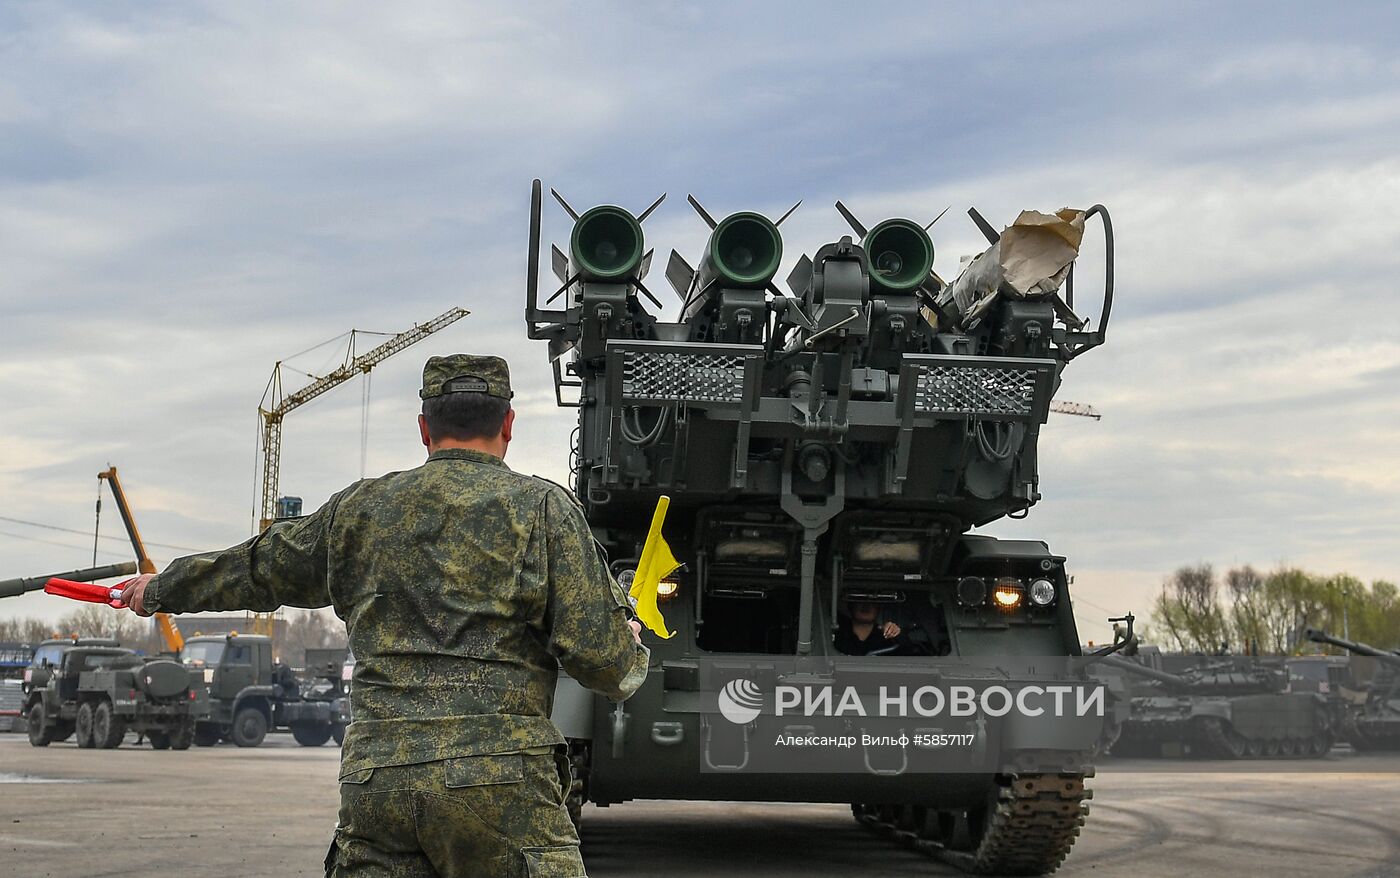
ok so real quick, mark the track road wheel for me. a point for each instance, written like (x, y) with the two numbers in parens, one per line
(249, 727)
(40, 735)
(311, 734)
(84, 729)
(108, 729)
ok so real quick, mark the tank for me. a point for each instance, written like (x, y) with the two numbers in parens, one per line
(1374, 724)
(1236, 708)
(825, 452)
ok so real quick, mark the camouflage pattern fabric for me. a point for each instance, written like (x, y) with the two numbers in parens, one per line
(463, 586)
(460, 582)
(496, 816)
(466, 373)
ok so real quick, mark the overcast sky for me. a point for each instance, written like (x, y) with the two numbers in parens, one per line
(191, 191)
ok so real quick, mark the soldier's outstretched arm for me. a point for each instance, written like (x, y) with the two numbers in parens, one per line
(285, 565)
(587, 612)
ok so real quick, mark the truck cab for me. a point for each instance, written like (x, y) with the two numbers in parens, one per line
(48, 655)
(249, 694)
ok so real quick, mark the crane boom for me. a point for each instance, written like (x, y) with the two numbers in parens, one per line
(1084, 410)
(168, 632)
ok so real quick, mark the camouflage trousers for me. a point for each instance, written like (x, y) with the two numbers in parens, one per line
(500, 816)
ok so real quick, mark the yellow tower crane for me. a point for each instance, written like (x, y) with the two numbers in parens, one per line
(276, 405)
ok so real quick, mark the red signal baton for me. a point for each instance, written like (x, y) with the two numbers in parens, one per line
(87, 591)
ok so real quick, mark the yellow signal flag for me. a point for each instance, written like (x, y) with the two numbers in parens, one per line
(656, 564)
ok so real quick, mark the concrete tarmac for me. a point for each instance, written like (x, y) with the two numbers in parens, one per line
(269, 811)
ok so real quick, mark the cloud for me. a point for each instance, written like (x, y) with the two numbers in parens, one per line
(190, 192)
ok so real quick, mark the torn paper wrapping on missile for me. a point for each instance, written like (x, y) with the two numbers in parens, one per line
(1030, 261)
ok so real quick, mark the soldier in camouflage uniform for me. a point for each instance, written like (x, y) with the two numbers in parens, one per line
(463, 586)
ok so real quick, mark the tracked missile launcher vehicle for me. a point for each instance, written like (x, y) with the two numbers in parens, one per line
(826, 453)
(1224, 709)
(1374, 724)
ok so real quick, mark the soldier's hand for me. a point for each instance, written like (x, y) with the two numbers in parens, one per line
(891, 631)
(636, 629)
(134, 594)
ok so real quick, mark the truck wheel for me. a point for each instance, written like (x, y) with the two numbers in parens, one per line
(108, 729)
(311, 734)
(249, 727)
(39, 733)
(338, 732)
(183, 736)
(85, 725)
(159, 740)
(206, 734)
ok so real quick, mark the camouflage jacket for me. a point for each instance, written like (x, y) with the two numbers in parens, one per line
(460, 583)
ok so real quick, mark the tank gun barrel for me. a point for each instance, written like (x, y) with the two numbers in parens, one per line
(1317, 635)
(1143, 671)
(14, 587)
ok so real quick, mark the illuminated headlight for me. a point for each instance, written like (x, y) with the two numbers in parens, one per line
(972, 591)
(1008, 594)
(667, 589)
(1042, 592)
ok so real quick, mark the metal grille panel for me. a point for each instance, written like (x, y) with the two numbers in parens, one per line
(682, 377)
(976, 390)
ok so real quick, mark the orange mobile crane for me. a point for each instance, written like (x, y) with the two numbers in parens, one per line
(168, 632)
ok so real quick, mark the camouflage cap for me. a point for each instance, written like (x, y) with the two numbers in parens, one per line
(466, 373)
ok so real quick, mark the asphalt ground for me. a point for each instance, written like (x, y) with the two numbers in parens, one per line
(269, 812)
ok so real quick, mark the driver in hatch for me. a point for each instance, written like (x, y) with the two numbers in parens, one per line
(862, 631)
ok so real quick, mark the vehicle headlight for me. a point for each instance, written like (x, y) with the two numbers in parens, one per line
(1042, 592)
(972, 591)
(667, 589)
(1008, 594)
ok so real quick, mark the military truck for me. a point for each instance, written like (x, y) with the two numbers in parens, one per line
(100, 692)
(1373, 723)
(249, 694)
(824, 452)
(15, 657)
(1223, 708)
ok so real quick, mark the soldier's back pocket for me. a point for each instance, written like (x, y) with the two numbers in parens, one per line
(554, 862)
(475, 771)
